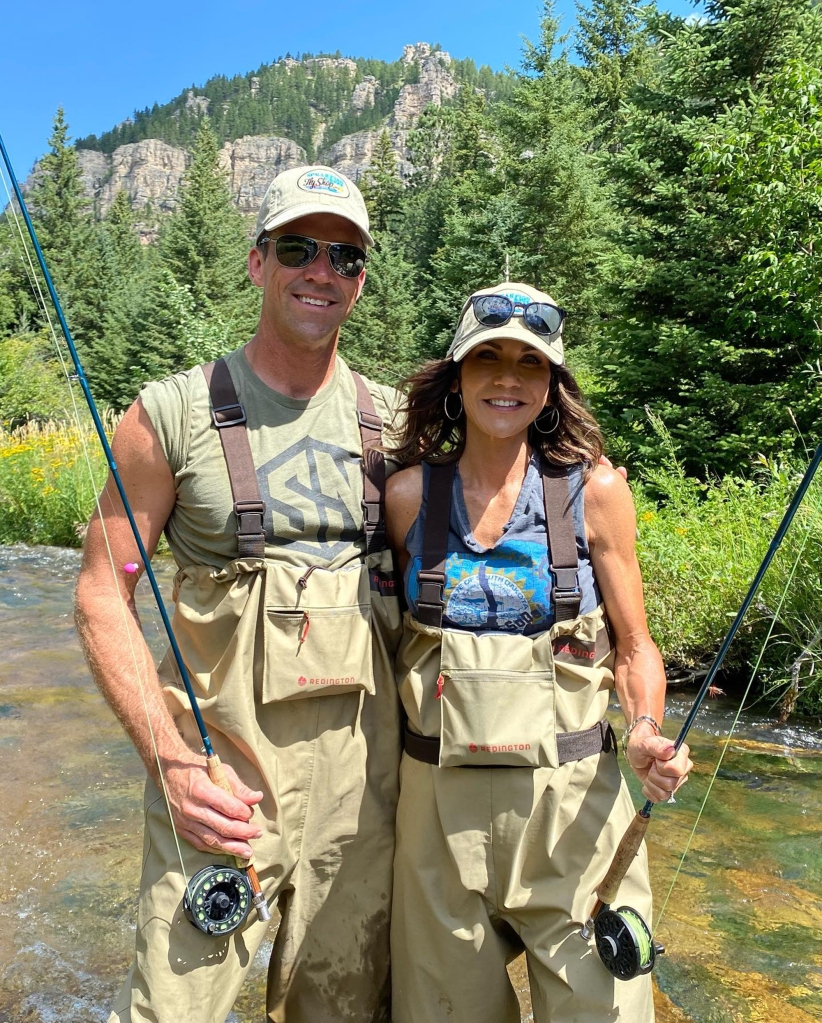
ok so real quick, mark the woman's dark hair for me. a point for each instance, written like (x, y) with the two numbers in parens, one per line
(428, 435)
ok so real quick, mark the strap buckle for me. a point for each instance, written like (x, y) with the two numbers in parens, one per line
(371, 514)
(249, 517)
(566, 583)
(369, 421)
(431, 587)
(221, 418)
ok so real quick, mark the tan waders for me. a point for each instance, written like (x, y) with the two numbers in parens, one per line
(511, 804)
(295, 670)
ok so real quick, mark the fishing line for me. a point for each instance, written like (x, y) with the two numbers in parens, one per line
(734, 723)
(81, 432)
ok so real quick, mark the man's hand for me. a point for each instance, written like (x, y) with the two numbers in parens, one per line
(205, 815)
(623, 472)
(658, 767)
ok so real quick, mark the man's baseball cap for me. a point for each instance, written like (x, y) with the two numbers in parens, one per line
(470, 332)
(312, 189)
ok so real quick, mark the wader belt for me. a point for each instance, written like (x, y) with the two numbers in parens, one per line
(570, 745)
(562, 544)
(227, 412)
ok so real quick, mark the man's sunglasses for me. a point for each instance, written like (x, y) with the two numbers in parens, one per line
(295, 251)
(496, 310)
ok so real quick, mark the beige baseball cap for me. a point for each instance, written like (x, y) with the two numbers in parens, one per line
(470, 332)
(312, 189)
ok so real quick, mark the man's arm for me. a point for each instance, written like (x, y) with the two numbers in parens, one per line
(119, 658)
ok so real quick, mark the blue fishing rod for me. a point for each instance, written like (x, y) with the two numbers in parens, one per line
(623, 938)
(218, 898)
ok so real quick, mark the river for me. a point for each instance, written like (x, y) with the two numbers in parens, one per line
(742, 927)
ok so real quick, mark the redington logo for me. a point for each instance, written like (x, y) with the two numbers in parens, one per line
(504, 747)
(581, 650)
(340, 680)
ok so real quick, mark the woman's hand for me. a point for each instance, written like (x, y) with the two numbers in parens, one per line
(660, 769)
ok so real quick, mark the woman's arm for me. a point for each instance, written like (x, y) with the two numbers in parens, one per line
(403, 497)
(639, 675)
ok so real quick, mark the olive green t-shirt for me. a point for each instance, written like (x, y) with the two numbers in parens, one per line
(307, 454)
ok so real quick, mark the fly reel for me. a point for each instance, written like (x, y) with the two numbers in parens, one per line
(218, 900)
(625, 943)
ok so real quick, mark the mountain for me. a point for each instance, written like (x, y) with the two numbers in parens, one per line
(329, 109)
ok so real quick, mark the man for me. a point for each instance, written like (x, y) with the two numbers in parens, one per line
(275, 634)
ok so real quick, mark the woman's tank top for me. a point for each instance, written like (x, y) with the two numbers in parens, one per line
(507, 587)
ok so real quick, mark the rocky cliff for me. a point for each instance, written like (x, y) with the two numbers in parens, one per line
(150, 172)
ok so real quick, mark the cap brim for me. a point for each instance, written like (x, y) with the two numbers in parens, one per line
(306, 209)
(550, 346)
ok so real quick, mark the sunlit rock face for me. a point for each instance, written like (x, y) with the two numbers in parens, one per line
(151, 172)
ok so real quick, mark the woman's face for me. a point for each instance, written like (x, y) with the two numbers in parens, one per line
(504, 386)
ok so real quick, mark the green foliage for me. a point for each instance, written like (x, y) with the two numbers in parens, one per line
(707, 326)
(700, 546)
(47, 492)
(203, 243)
(381, 187)
(32, 385)
(381, 337)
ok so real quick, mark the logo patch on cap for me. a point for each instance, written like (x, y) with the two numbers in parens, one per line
(517, 297)
(323, 181)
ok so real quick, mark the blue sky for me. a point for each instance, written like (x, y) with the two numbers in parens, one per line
(101, 61)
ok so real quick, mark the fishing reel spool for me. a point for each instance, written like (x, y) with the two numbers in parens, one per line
(624, 943)
(218, 900)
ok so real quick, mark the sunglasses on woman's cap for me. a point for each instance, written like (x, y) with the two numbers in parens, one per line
(542, 318)
(524, 314)
(296, 251)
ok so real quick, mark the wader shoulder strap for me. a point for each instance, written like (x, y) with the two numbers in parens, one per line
(373, 468)
(226, 414)
(562, 542)
(431, 576)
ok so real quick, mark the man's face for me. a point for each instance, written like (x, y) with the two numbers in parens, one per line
(306, 305)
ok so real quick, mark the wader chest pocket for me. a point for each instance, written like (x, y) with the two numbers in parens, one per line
(318, 642)
(497, 719)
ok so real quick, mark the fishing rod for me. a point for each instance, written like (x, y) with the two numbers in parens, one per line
(624, 940)
(218, 898)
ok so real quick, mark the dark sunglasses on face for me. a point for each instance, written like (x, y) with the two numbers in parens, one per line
(295, 251)
(496, 310)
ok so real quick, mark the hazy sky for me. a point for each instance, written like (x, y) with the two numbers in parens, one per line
(102, 61)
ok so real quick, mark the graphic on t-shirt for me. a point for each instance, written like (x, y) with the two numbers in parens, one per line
(311, 494)
(506, 589)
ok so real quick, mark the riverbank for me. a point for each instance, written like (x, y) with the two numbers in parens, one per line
(699, 547)
(741, 927)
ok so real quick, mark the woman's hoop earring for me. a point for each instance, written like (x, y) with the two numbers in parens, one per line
(448, 415)
(549, 412)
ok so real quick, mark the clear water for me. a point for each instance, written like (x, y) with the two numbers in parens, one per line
(742, 927)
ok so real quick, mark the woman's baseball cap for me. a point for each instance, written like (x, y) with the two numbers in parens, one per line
(471, 332)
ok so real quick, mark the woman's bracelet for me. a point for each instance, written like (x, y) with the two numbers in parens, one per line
(642, 717)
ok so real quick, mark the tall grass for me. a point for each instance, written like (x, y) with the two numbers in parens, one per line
(700, 545)
(47, 485)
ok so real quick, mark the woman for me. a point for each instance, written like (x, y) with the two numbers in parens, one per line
(507, 661)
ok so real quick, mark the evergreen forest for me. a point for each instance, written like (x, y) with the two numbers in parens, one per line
(660, 177)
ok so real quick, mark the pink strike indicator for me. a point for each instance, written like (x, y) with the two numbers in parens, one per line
(131, 567)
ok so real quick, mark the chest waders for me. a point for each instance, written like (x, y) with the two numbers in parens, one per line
(218, 898)
(511, 798)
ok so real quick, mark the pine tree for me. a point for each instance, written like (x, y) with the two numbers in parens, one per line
(615, 52)
(694, 338)
(71, 242)
(123, 246)
(203, 243)
(381, 186)
(381, 338)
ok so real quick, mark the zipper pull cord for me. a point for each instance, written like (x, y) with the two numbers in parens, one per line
(440, 684)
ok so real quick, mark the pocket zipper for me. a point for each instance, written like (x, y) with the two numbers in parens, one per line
(304, 630)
